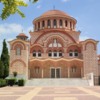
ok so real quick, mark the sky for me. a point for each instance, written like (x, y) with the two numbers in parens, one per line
(86, 12)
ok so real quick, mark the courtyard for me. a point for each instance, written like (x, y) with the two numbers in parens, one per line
(50, 93)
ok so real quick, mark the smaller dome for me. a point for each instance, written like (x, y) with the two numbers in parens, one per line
(22, 35)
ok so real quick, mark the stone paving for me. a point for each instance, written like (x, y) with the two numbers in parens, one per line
(50, 93)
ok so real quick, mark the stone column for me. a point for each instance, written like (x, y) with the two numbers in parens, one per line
(51, 23)
(45, 23)
(57, 23)
(42, 73)
(68, 24)
(63, 23)
(68, 72)
(40, 24)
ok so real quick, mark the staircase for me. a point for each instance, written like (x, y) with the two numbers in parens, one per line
(57, 82)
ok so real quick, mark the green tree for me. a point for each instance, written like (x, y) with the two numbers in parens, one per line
(1, 69)
(5, 59)
(11, 7)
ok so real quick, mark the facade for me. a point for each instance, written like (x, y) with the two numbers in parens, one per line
(54, 50)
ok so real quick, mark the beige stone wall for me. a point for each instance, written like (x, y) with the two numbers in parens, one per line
(99, 69)
(90, 59)
(19, 63)
(18, 67)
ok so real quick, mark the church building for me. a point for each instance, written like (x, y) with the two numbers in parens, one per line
(54, 50)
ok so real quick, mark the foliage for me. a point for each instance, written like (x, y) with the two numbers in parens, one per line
(21, 82)
(3, 82)
(12, 6)
(1, 69)
(5, 59)
(11, 81)
(15, 74)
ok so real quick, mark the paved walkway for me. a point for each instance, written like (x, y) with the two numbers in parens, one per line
(50, 93)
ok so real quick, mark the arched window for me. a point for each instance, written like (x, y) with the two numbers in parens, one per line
(38, 25)
(66, 23)
(43, 24)
(76, 53)
(39, 53)
(70, 53)
(60, 22)
(34, 53)
(55, 23)
(55, 53)
(60, 53)
(71, 25)
(50, 53)
(18, 51)
(49, 23)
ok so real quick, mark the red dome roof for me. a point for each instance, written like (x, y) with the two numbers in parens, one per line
(22, 35)
(54, 12)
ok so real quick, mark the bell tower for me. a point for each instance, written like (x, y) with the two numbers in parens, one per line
(19, 55)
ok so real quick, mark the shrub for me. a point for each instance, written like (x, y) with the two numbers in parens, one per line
(3, 82)
(21, 82)
(11, 82)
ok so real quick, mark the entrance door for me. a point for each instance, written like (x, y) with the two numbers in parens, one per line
(55, 72)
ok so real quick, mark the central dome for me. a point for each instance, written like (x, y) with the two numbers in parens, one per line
(54, 19)
(54, 12)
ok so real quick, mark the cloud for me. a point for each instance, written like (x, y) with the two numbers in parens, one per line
(38, 7)
(65, 0)
(10, 31)
(10, 28)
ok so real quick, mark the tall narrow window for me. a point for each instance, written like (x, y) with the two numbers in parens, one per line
(38, 25)
(55, 23)
(55, 53)
(70, 53)
(60, 53)
(39, 53)
(75, 53)
(49, 23)
(60, 22)
(43, 24)
(66, 23)
(18, 51)
(50, 53)
(34, 53)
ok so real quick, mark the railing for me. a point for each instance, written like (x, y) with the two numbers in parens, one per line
(90, 78)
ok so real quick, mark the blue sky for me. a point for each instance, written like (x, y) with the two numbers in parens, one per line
(86, 12)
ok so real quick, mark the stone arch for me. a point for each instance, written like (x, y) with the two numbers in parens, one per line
(36, 48)
(90, 44)
(73, 48)
(18, 44)
(63, 32)
(59, 39)
(18, 66)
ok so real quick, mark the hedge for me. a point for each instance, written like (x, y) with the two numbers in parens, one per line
(21, 82)
(3, 82)
(11, 82)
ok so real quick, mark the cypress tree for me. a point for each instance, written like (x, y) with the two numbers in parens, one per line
(1, 69)
(5, 59)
